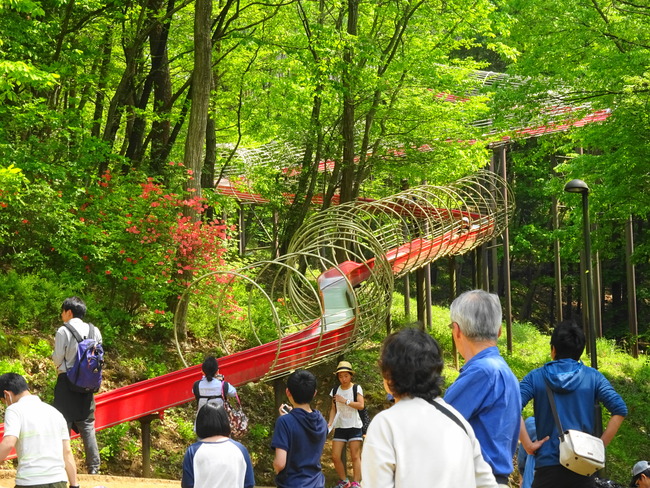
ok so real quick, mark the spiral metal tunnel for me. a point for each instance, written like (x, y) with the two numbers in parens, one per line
(334, 287)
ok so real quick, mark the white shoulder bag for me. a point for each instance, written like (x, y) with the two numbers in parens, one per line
(580, 452)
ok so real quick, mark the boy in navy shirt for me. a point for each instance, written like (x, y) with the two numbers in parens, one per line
(299, 436)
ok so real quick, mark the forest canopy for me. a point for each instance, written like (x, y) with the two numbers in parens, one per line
(118, 119)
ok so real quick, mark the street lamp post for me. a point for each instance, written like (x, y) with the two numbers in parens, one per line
(579, 186)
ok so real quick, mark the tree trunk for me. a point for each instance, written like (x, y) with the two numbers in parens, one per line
(347, 129)
(162, 91)
(201, 83)
(200, 92)
(107, 39)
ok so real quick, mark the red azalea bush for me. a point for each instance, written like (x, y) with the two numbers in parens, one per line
(123, 242)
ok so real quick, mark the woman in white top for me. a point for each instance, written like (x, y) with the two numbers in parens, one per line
(344, 418)
(421, 440)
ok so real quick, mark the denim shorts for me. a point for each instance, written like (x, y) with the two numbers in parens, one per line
(346, 435)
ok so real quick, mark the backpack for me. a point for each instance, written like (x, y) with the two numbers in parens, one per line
(85, 375)
(363, 413)
(237, 417)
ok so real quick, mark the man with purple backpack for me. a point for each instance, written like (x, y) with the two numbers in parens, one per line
(77, 403)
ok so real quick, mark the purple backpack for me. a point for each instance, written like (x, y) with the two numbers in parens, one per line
(85, 375)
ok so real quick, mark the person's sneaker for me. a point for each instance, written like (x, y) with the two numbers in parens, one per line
(355, 484)
(342, 484)
(93, 471)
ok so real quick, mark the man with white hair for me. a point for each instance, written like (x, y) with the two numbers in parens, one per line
(486, 392)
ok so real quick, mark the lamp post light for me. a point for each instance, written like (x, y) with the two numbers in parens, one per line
(579, 186)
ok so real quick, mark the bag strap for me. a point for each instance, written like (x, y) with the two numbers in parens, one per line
(354, 392)
(448, 413)
(73, 331)
(225, 386)
(76, 335)
(551, 400)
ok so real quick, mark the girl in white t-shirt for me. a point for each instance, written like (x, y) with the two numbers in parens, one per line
(344, 418)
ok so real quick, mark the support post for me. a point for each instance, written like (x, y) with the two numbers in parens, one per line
(494, 259)
(631, 288)
(407, 297)
(598, 296)
(420, 298)
(452, 295)
(427, 296)
(476, 269)
(279, 394)
(276, 234)
(242, 230)
(145, 429)
(584, 301)
(506, 253)
(485, 268)
(557, 264)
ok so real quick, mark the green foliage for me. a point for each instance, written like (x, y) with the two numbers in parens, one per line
(258, 432)
(11, 366)
(15, 75)
(184, 426)
(30, 299)
(115, 442)
(123, 243)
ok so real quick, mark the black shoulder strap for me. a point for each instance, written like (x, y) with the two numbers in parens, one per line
(91, 331)
(354, 392)
(448, 413)
(224, 390)
(551, 400)
(197, 392)
(73, 331)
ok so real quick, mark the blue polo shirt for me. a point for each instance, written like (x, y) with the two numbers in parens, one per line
(487, 394)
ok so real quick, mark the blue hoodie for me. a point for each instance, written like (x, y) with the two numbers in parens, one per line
(302, 434)
(577, 388)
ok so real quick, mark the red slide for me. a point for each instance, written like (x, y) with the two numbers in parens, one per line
(281, 356)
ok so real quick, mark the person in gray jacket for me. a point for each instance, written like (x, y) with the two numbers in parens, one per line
(78, 408)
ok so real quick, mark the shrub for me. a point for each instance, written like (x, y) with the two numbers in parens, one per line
(123, 243)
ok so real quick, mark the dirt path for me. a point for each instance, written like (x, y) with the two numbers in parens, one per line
(90, 481)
